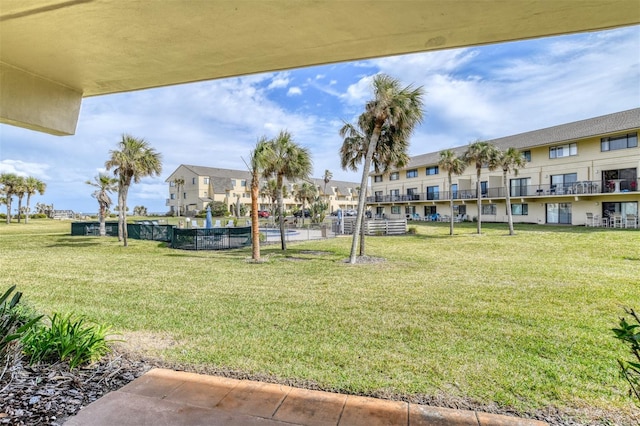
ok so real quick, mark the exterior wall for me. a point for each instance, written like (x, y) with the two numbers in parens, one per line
(197, 191)
(586, 196)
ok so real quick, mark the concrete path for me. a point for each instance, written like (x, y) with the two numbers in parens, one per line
(169, 398)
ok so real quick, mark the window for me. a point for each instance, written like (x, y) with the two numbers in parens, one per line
(395, 194)
(561, 183)
(394, 176)
(519, 187)
(243, 183)
(527, 156)
(565, 150)
(193, 181)
(377, 178)
(483, 188)
(454, 190)
(172, 184)
(520, 209)
(619, 142)
(379, 211)
(378, 195)
(410, 210)
(432, 170)
(184, 195)
(233, 183)
(559, 213)
(412, 173)
(429, 210)
(173, 196)
(206, 181)
(488, 210)
(433, 193)
(395, 209)
(412, 194)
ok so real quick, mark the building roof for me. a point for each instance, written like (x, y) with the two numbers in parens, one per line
(592, 127)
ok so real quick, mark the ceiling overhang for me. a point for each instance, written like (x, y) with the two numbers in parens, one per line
(55, 52)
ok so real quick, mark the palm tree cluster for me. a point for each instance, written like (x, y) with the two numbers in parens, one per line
(133, 160)
(482, 154)
(381, 136)
(275, 159)
(19, 186)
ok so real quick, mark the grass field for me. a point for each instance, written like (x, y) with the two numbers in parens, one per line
(522, 322)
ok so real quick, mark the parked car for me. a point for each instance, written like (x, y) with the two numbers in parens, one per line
(351, 212)
(263, 213)
(307, 213)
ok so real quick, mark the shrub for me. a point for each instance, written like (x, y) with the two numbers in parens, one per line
(15, 321)
(67, 339)
(413, 230)
(629, 334)
(39, 216)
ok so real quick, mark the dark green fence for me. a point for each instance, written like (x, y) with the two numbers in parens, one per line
(93, 228)
(211, 238)
(137, 231)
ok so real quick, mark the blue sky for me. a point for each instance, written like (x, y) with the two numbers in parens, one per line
(472, 93)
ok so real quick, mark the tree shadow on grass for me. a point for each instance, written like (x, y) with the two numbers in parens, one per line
(74, 242)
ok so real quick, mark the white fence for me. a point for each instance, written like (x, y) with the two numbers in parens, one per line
(377, 226)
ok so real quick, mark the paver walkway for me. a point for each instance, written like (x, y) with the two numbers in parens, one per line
(165, 397)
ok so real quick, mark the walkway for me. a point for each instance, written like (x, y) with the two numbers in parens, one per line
(167, 398)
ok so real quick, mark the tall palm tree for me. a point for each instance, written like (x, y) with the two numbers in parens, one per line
(105, 185)
(510, 160)
(32, 186)
(305, 192)
(179, 183)
(20, 189)
(270, 192)
(452, 164)
(383, 131)
(286, 160)
(9, 182)
(326, 178)
(480, 154)
(133, 160)
(257, 164)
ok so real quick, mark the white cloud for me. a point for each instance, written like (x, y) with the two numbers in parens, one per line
(294, 91)
(279, 81)
(24, 169)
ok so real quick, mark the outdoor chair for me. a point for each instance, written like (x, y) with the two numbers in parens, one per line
(217, 224)
(589, 220)
(229, 223)
(631, 221)
(194, 223)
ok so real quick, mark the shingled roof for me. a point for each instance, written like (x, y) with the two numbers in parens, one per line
(591, 127)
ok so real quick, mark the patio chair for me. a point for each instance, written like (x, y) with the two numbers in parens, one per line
(194, 223)
(217, 224)
(229, 223)
(589, 220)
(631, 221)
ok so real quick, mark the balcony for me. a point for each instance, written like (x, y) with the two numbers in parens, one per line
(617, 186)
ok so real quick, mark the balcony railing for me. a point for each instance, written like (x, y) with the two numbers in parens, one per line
(573, 188)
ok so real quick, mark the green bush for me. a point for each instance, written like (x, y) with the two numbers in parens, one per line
(629, 334)
(412, 230)
(15, 320)
(67, 339)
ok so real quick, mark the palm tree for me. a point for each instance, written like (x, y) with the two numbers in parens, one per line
(9, 182)
(270, 192)
(452, 164)
(105, 185)
(32, 186)
(480, 153)
(20, 189)
(133, 160)
(257, 164)
(305, 192)
(509, 160)
(326, 178)
(286, 160)
(179, 183)
(383, 131)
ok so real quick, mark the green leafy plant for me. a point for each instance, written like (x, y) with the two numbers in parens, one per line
(630, 334)
(68, 338)
(14, 321)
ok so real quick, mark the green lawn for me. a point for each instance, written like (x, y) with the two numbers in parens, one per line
(522, 321)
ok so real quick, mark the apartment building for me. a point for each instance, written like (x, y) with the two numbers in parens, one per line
(205, 184)
(573, 171)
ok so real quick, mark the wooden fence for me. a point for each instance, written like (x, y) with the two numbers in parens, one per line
(378, 226)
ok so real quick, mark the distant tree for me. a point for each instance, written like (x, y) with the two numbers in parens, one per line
(218, 208)
(326, 178)
(480, 154)
(20, 190)
(510, 160)
(305, 193)
(382, 133)
(32, 186)
(179, 183)
(286, 160)
(257, 163)
(452, 164)
(133, 160)
(9, 181)
(140, 211)
(318, 210)
(105, 184)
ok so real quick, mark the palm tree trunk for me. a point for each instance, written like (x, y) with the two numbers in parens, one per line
(103, 228)
(362, 245)
(9, 197)
(26, 217)
(450, 206)
(19, 208)
(479, 196)
(280, 197)
(120, 217)
(125, 232)
(255, 224)
(508, 197)
(363, 191)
